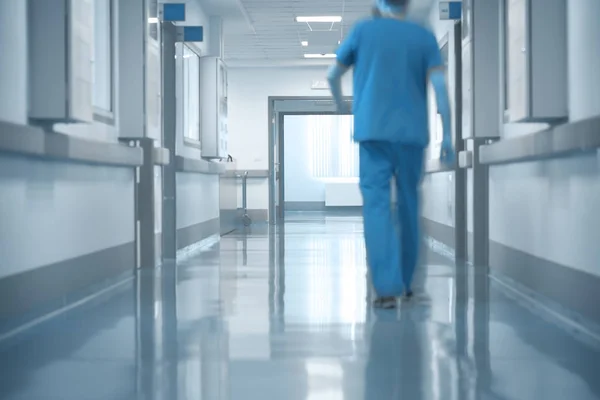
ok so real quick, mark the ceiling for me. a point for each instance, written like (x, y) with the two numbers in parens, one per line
(264, 32)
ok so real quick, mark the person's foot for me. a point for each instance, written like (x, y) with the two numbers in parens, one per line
(385, 302)
(408, 294)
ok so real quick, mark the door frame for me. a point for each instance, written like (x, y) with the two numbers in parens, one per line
(298, 105)
(169, 137)
(460, 175)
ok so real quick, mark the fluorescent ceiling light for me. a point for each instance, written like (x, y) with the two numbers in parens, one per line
(319, 19)
(153, 20)
(319, 55)
(304, 43)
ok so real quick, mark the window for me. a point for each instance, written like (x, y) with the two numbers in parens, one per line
(102, 66)
(191, 94)
(333, 153)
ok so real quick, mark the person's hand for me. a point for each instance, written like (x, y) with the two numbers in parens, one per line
(447, 155)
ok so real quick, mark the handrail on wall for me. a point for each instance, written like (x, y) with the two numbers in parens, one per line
(32, 141)
(436, 166)
(198, 166)
(559, 141)
(251, 173)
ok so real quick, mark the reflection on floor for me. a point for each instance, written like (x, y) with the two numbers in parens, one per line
(282, 315)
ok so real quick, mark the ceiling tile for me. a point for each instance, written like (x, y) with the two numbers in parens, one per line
(277, 36)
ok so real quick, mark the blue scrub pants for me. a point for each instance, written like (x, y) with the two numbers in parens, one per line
(392, 239)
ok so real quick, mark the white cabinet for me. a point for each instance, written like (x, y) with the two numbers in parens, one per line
(480, 69)
(536, 61)
(61, 40)
(213, 103)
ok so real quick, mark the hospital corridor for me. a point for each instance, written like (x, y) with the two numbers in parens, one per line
(183, 204)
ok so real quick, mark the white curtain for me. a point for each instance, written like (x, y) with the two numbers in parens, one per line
(333, 153)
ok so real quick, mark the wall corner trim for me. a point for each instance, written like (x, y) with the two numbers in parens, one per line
(184, 164)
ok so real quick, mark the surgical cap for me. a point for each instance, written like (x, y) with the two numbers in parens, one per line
(391, 6)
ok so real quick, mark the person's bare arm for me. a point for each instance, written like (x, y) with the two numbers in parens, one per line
(334, 76)
(345, 59)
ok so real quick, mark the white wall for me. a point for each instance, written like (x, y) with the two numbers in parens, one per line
(197, 199)
(553, 203)
(549, 209)
(546, 208)
(52, 212)
(249, 90)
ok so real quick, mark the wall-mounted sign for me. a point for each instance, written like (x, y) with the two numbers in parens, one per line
(450, 10)
(190, 34)
(173, 12)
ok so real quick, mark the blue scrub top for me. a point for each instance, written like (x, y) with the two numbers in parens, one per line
(391, 60)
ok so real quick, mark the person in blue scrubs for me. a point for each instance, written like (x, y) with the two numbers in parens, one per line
(393, 61)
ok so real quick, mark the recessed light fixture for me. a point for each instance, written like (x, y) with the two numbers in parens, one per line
(153, 20)
(319, 19)
(304, 43)
(319, 55)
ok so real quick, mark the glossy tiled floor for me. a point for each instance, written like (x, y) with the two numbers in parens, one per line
(284, 317)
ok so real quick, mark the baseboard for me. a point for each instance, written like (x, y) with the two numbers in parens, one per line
(440, 232)
(344, 210)
(31, 295)
(257, 215)
(564, 295)
(570, 292)
(305, 206)
(195, 233)
(229, 221)
(320, 206)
